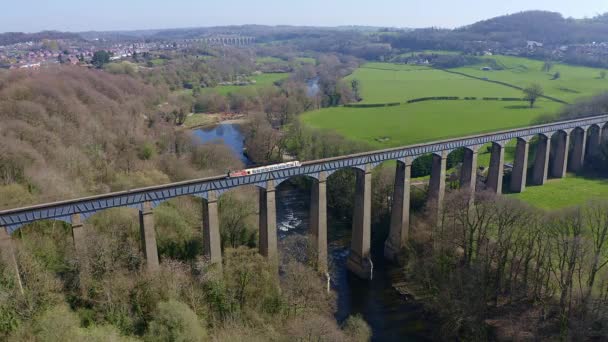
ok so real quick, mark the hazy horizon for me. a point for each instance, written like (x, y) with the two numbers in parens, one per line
(115, 15)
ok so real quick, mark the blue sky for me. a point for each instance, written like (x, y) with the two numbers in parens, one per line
(84, 15)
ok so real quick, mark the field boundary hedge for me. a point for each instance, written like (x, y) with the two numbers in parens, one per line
(371, 105)
(434, 98)
(454, 98)
(501, 83)
(406, 70)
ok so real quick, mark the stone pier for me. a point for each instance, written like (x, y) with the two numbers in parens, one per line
(468, 171)
(437, 183)
(560, 159)
(594, 140)
(78, 234)
(211, 229)
(318, 220)
(268, 223)
(7, 253)
(579, 137)
(148, 237)
(520, 166)
(358, 260)
(400, 211)
(496, 171)
(541, 160)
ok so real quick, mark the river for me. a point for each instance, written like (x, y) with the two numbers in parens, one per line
(390, 316)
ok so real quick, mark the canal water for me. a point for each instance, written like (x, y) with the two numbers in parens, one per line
(390, 316)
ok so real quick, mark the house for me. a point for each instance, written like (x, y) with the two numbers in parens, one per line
(533, 45)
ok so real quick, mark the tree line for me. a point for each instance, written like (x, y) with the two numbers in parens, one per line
(546, 270)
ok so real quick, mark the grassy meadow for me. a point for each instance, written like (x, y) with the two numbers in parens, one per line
(566, 192)
(383, 82)
(262, 80)
(384, 127)
(432, 120)
(574, 81)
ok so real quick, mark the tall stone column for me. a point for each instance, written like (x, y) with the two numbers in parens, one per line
(268, 223)
(595, 140)
(7, 253)
(211, 229)
(318, 220)
(578, 152)
(78, 233)
(468, 171)
(560, 159)
(400, 211)
(520, 166)
(148, 236)
(437, 183)
(541, 160)
(358, 260)
(497, 164)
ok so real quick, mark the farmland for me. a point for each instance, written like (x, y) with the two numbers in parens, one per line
(406, 124)
(561, 193)
(573, 82)
(382, 83)
(438, 119)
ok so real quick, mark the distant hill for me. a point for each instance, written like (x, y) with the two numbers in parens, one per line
(506, 32)
(543, 26)
(9, 38)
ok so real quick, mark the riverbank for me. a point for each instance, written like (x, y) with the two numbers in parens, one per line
(196, 121)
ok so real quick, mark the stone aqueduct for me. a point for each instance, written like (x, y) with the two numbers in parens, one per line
(585, 135)
(231, 40)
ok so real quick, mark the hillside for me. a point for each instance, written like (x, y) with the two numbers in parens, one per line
(508, 31)
(9, 38)
(547, 27)
(70, 131)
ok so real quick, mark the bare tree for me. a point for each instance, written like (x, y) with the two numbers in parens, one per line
(567, 246)
(533, 92)
(596, 219)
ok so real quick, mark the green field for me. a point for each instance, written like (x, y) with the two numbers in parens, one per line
(158, 61)
(432, 120)
(424, 121)
(574, 81)
(407, 124)
(561, 193)
(268, 60)
(306, 60)
(262, 80)
(383, 82)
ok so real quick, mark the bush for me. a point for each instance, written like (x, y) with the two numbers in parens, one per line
(104, 333)
(175, 321)
(357, 329)
(61, 324)
(174, 222)
(314, 327)
(146, 151)
(57, 324)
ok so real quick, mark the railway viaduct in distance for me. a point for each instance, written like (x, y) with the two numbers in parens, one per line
(572, 141)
